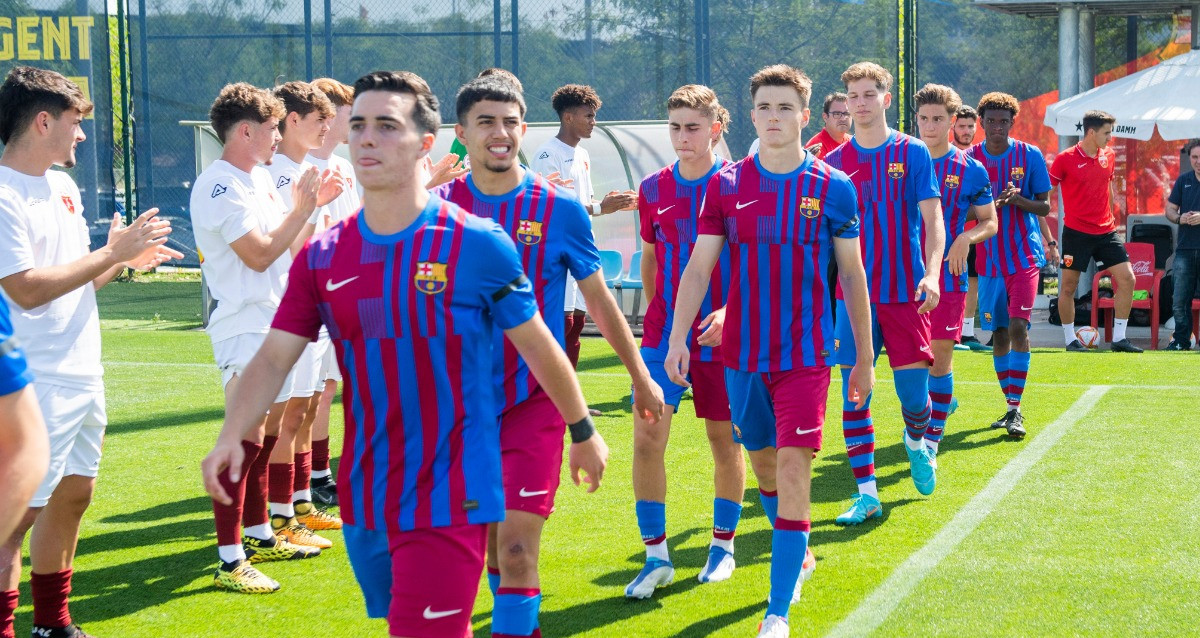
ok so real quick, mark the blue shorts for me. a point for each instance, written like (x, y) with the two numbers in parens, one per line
(371, 561)
(709, 397)
(845, 353)
(14, 371)
(778, 409)
(993, 303)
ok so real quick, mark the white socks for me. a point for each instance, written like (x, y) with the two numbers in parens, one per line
(1119, 329)
(320, 473)
(282, 509)
(968, 329)
(261, 532)
(1069, 333)
(659, 551)
(726, 545)
(302, 495)
(871, 488)
(231, 553)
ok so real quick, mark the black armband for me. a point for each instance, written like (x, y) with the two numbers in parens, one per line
(583, 430)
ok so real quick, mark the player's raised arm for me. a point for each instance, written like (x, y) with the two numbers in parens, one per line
(693, 285)
(854, 289)
(550, 366)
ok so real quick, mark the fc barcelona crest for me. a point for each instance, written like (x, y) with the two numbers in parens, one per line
(1017, 173)
(69, 203)
(895, 170)
(987, 318)
(529, 232)
(952, 181)
(810, 207)
(431, 277)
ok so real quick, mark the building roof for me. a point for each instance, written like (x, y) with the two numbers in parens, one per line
(1043, 8)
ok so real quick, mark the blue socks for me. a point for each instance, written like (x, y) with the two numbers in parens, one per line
(789, 542)
(770, 504)
(515, 612)
(726, 514)
(912, 388)
(493, 575)
(859, 433)
(1018, 370)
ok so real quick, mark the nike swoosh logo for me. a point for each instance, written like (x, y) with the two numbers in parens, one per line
(330, 286)
(430, 614)
(951, 328)
(803, 432)
(854, 173)
(740, 205)
(526, 493)
(1024, 309)
(663, 210)
(1082, 165)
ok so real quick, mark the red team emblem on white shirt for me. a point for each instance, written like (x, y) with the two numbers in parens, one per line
(69, 203)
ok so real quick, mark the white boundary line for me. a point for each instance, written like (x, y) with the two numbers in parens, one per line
(879, 605)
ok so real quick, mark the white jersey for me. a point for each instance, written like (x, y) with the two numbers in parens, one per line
(349, 201)
(570, 162)
(42, 225)
(226, 204)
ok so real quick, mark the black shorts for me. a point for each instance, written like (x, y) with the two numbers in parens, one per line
(971, 271)
(1078, 248)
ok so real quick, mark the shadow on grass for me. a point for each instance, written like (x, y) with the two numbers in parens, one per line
(167, 420)
(717, 625)
(599, 362)
(165, 510)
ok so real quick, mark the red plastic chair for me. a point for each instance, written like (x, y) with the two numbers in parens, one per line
(1146, 277)
(1196, 320)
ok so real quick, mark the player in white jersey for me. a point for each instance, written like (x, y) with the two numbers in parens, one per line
(323, 487)
(245, 234)
(302, 129)
(49, 278)
(576, 106)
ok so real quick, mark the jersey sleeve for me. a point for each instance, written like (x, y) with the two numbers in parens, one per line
(16, 251)
(1176, 196)
(712, 215)
(841, 208)
(582, 256)
(979, 184)
(922, 173)
(546, 163)
(503, 287)
(1039, 177)
(221, 208)
(645, 216)
(298, 313)
(1058, 169)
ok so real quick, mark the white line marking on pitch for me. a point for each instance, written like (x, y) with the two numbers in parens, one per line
(875, 608)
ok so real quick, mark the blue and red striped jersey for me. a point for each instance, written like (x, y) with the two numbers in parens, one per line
(780, 230)
(669, 211)
(964, 184)
(890, 179)
(1017, 244)
(411, 317)
(553, 236)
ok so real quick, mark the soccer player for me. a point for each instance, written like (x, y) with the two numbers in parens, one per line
(1084, 173)
(576, 106)
(669, 209)
(554, 237)
(306, 121)
(963, 137)
(246, 234)
(456, 147)
(898, 197)
(966, 193)
(49, 279)
(323, 488)
(781, 212)
(1013, 258)
(410, 289)
(24, 448)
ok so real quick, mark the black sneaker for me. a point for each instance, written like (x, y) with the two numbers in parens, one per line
(1077, 346)
(324, 492)
(1124, 346)
(1016, 425)
(70, 631)
(1176, 346)
(1002, 422)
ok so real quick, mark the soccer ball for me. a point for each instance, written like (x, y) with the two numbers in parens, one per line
(1088, 336)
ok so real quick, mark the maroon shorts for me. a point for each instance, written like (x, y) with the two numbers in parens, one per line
(945, 321)
(710, 397)
(780, 409)
(531, 452)
(435, 579)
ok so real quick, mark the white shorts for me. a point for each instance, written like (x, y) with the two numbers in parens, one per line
(307, 373)
(75, 420)
(233, 354)
(329, 364)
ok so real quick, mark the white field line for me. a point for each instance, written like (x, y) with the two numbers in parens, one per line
(876, 607)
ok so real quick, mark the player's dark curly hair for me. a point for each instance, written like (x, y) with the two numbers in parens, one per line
(997, 101)
(966, 113)
(493, 88)
(243, 102)
(573, 95)
(425, 110)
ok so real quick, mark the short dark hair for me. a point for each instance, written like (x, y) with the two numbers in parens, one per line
(966, 113)
(28, 91)
(782, 75)
(302, 98)
(938, 95)
(997, 101)
(836, 96)
(503, 74)
(1191, 146)
(242, 102)
(573, 95)
(425, 109)
(1093, 120)
(493, 88)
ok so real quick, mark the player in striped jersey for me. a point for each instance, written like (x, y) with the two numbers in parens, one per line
(1013, 258)
(669, 208)
(554, 236)
(783, 214)
(966, 194)
(898, 197)
(410, 289)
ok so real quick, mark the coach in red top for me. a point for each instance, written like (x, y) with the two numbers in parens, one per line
(1084, 175)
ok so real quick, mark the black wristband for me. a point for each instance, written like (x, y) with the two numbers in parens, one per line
(583, 430)
(1053, 243)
